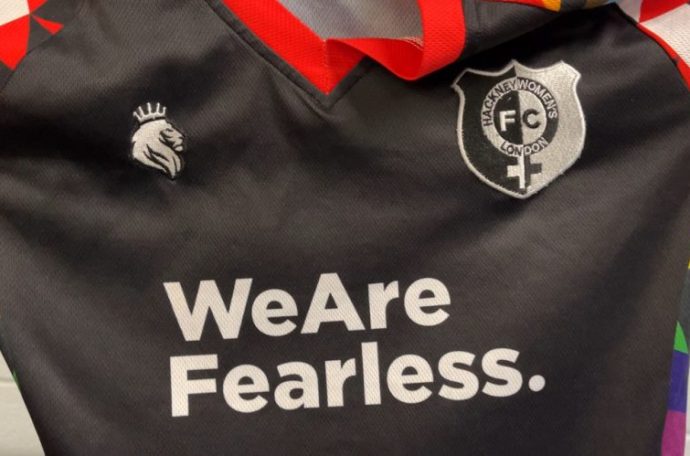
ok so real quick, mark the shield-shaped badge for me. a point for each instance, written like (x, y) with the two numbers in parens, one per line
(520, 128)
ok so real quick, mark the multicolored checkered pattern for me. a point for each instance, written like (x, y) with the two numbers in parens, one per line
(25, 25)
(667, 21)
(19, 19)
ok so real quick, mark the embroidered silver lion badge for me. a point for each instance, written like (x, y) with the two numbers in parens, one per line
(156, 143)
(520, 128)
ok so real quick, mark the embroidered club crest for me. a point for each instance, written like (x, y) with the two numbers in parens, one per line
(520, 128)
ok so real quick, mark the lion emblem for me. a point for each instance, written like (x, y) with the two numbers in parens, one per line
(156, 142)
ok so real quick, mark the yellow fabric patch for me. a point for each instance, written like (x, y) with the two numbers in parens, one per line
(554, 5)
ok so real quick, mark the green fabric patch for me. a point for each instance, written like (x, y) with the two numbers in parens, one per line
(680, 343)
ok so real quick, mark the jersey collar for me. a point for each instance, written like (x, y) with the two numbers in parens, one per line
(326, 62)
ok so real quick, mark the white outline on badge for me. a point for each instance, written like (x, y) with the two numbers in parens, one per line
(517, 65)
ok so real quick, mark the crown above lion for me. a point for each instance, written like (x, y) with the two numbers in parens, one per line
(149, 112)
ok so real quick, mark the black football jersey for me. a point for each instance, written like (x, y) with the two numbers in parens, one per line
(403, 227)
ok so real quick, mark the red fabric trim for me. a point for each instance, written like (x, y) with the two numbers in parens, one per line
(537, 3)
(326, 62)
(35, 4)
(684, 71)
(14, 41)
(653, 8)
(682, 66)
(52, 27)
(669, 50)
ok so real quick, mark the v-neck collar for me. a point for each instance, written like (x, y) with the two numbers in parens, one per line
(324, 65)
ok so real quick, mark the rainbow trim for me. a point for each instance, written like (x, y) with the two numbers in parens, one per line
(675, 427)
